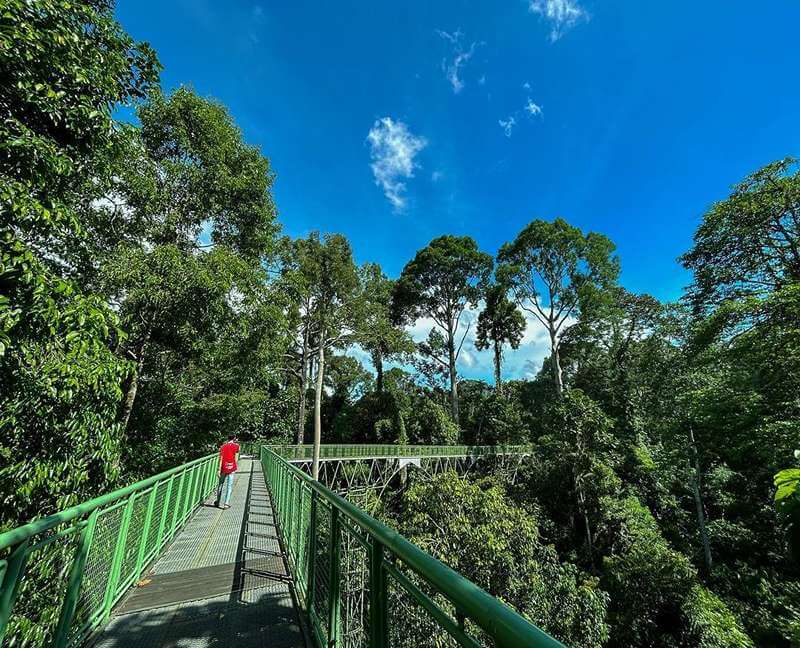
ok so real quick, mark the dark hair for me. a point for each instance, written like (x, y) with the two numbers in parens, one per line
(231, 436)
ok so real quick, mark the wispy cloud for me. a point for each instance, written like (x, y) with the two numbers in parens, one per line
(532, 109)
(562, 15)
(460, 57)
(393, 149)
(507, 125)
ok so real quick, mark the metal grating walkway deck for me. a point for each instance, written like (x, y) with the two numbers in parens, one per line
(222, 582)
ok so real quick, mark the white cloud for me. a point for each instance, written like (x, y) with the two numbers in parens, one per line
(392, 150)
(482, 80)
(436, 176)
(526, 85)
(562, 15)
(461, 57)
(532, 108)
(507, 125)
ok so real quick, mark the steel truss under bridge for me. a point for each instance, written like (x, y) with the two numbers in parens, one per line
(336, 553)
(361, 472)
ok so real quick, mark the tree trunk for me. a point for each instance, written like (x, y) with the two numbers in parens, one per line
(133, 383)
(698, 503)
(301, 410)
(498, 359)
(377, 360)
(451, 352)
(318, 408)
(555, 361)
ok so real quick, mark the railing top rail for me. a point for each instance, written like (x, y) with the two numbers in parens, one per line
(504, 624)
(343, 450)
(22, 533)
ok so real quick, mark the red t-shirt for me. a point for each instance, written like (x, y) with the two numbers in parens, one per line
(227, 454)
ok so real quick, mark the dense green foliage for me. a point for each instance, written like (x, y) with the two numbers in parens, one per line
(149, 306)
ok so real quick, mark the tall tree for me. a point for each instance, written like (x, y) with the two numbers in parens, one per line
(748, 246)
(333, 308)
(499, 323)
(189, 184)
(379, 335)
(441, 282)
(554, 270)
(66, 66)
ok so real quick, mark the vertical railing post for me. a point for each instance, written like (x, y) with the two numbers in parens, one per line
(378, 618)
(61, 638)
(148, 518)
(119, 554)
(334, 599)
(164, 514)
(15, 568)
(312, 553)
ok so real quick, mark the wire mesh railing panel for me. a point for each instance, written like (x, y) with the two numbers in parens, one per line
(320, 545)
(61, 575)
(135, 533)
(362, 584)
(151, 545)
(354, 588)
(34, 621)
(97, 570)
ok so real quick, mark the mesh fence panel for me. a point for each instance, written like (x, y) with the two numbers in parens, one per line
(35, 617)
(173, 501)
(354, 588)
(133, 540)
(321, 548)
(155, 519)
(98, 564)
(410, 625)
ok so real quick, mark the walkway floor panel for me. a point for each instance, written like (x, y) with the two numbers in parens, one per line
(210, 588)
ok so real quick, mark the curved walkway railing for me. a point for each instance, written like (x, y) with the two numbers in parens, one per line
(60, 576)
(363, 584)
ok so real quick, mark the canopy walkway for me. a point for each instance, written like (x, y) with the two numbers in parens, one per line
(291, 563)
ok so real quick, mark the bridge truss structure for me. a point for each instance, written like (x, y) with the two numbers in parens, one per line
(354, 471)
(341, 599)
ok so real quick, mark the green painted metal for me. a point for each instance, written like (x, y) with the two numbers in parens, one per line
(352, 451)
(390, 560)
(15, 566)
(61, 639)
(334, 585)
(378, 618)
(112, 536)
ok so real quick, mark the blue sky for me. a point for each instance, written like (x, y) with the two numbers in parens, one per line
(395, 122)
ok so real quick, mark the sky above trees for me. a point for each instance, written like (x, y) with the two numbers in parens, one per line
(394, 123)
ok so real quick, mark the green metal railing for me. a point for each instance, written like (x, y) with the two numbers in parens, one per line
(60, 576)
(363, 584)
(347, 451)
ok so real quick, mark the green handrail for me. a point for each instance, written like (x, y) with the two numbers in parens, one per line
(100, 548)
(346, 451)
(322, 532)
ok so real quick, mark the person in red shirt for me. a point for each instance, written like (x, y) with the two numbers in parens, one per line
(228, 458)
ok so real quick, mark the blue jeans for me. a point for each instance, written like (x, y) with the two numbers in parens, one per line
(226, 486)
